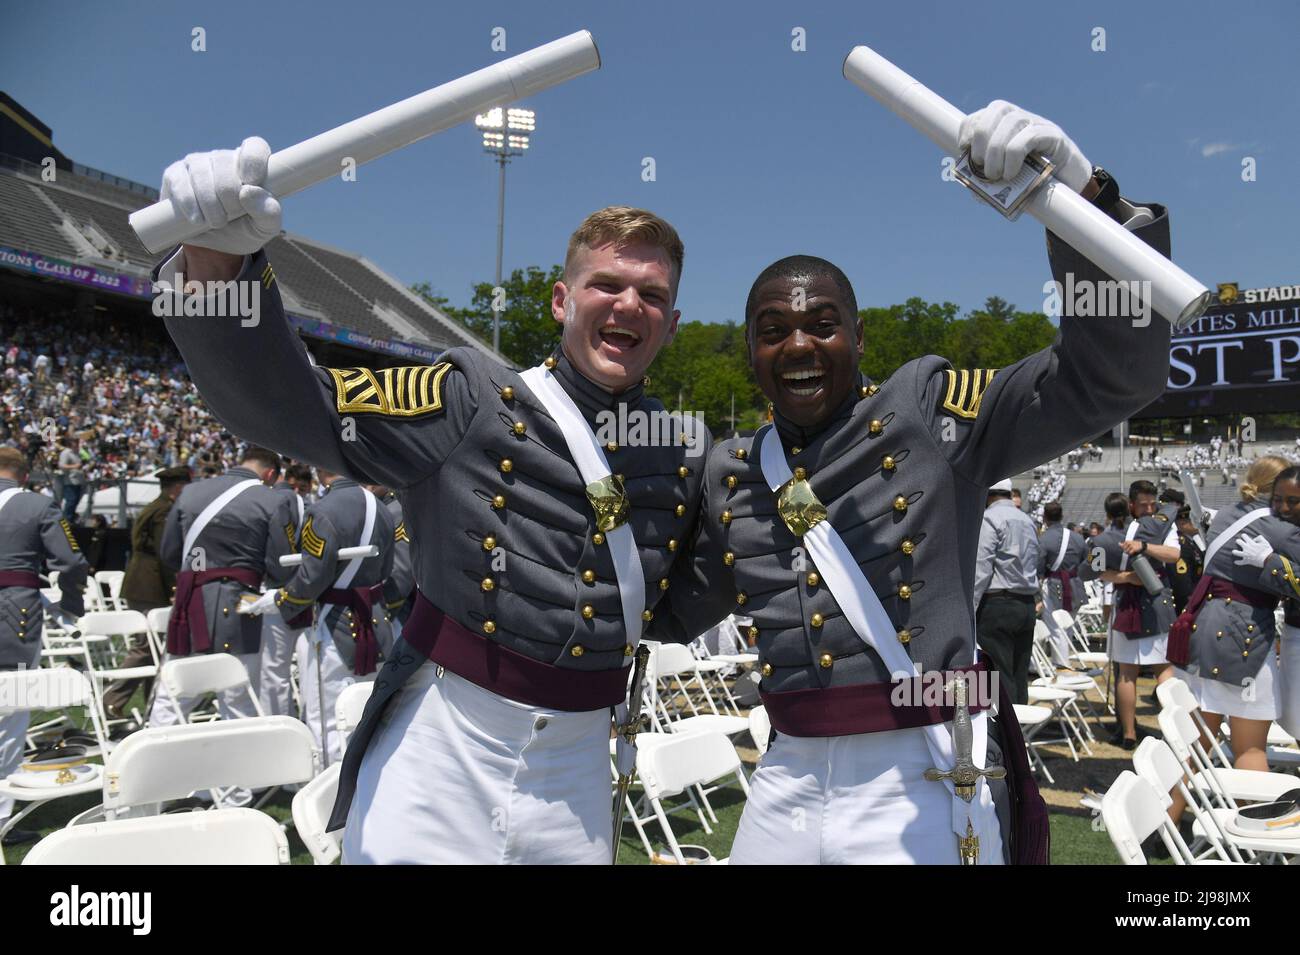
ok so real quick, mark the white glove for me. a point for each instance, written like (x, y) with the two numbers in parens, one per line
(222, 191)
(263, 604)
(1252, 551)
(1001, 134)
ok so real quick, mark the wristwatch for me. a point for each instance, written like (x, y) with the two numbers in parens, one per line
(1108, 195)
(1143, 543)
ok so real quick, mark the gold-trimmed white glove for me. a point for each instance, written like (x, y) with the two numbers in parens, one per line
(222, 191)
(1001, 134)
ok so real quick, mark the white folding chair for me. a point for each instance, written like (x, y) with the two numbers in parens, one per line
(1156, 763)
(675, 671)
(111, 580)
(110, 624)
(47, 689)
(1032, 718)
(220, 837)
(193, 676)
(760, 728)
(350, 706)
(1132, 810)
(312, 805)
(158, 764)
(1227, 785)
(681, 762)
(1176, 692)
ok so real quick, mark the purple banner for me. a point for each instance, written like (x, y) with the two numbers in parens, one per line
(76, 274)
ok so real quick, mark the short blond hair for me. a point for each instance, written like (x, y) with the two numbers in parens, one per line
(1263, 471)
(13, 461)
(624, 225)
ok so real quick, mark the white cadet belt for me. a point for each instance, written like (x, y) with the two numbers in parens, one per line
(593, 466)
(864, 611)
(208, 513)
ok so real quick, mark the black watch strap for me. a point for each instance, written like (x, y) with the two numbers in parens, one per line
(1106, 198)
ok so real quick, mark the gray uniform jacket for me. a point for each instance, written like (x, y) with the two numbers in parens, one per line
(334, 522)
(251, 532)
(1076, 549)
(1232, 638)
(401, 582)
(1105, 553)
(904, 470)
(33, 530)
(1007, 558)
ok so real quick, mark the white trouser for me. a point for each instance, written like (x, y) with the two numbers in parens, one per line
(278, 642)
(232, 704)
(320, 667)
(13, 740)
(457, 774)
(1288, 690)
(836, 800)
(1060, 639)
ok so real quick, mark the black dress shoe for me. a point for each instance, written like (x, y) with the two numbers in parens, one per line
(1128, 744)
(19, 837)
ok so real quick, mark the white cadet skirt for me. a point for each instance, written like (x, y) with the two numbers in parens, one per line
(1288, 689)
(1144, 651)
(850, 800)
(1256, 700)
(456, 774)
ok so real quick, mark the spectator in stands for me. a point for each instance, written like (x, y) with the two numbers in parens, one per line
(74, 477)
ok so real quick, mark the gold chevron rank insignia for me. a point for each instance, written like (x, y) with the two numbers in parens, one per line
(405, 392)
(311, 542)
(67, 532)
(400, 533)
(966, 388)
(292, 535)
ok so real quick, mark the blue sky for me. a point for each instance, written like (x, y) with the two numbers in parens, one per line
(760, 151)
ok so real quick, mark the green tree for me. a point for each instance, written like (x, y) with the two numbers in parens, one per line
(529, 331)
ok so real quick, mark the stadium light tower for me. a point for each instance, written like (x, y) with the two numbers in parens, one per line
(505, 135)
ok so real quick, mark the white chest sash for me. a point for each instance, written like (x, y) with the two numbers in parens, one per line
(1231, 531)
(208, 513)
(864, 611)
(1060, 555)
(345, 579)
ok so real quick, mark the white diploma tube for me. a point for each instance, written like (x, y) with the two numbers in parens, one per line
(345, 553)
(161, 225)
(1099, 238)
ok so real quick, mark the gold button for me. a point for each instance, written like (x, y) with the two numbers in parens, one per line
(611, 446)
(683, 471)
(499, 502)
(550, 363)
(872, 389)
(598, 538)
(800, 474)
(1248, 641)
(741, 454)
(907, 545)
(663, 583)
(813, 579)
(876, 426)
(489, 626)
(1214, 671)
(726, 517)
(905, 636)
(1250, 628)
(489, 543)
(577, 650)
(752, 632)
(900, 504)
(731, 481)
(728, 558)
(508, 393)
(645, 381)
(904, 592)
(741, 597)
(588, 576)
(1219, 634)
(888, 463)
(680, 510)
(647, 615)
(225, 611)
(817, 620)
(795, 450)
(864, 391)
(520, 427)
(672, 544)
(767, 669)
(1193, 626)
(507, 465)
(1245, 654)
(487, 584)
(627, 650)
(588, 611)
(1227, 600)
(826, 660)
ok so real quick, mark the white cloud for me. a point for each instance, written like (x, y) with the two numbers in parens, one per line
(1213, 149)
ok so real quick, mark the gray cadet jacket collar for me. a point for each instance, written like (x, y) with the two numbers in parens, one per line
(793, 435)
(7, 483)
(590, 397)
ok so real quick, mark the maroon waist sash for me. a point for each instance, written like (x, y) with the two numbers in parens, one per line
(360, 600)
(19, 578)
(1067, 595)
(862, 708)
(1179, 648)
(187, 629)
(505, 672)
